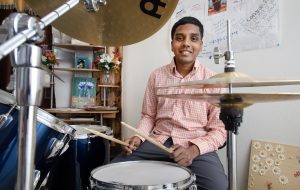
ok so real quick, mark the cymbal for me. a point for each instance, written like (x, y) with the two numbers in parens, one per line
(119, 22)
(235, 79)
(235, 100)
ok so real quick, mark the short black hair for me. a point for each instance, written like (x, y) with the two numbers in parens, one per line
(187, 20)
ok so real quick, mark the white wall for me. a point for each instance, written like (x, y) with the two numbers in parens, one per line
(276, 122)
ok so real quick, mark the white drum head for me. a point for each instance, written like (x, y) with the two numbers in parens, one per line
(82, 133)
(141, 173)
(7, 98)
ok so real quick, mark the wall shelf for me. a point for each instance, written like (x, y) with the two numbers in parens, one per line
(75, 70)
(108, 86)
(105, 113)
(76, 47)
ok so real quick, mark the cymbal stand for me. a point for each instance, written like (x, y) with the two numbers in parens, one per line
(230, 115)
(26, 58)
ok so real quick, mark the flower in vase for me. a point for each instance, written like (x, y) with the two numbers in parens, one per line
(48, 57)
(108, 63)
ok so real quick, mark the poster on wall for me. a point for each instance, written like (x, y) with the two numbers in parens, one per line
(83, 92)
(254, 24)
(274, 166)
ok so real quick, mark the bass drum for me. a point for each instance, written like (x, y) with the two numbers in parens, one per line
(52, 137)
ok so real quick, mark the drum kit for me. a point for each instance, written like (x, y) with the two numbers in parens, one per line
(42, 138)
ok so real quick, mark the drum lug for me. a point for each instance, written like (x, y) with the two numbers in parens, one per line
(88, 142)
(193, 187)
(5, 117)
(37, 176)
(57, 146)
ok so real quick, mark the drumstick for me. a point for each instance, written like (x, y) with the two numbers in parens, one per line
(107, 137)
(168, 150)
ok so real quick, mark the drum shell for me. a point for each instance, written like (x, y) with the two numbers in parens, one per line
(46, 152)
(184, 184)
(73, 168)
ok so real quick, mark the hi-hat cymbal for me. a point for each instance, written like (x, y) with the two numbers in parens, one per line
(119, 22)
(235, 100)
(235, 79)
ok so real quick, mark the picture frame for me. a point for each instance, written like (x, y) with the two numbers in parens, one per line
(82, 62)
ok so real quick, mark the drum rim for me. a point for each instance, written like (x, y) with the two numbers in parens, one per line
(115, 185)
(7, 98)
(53, 122)
(88, 134)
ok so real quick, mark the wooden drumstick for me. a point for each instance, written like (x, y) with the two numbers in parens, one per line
(107, 137)
(168, 150)
(20, 5)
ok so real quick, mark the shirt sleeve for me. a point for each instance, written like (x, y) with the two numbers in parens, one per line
(216, 135)
(148, 114)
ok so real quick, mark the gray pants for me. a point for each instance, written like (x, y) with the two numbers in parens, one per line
(208, 168)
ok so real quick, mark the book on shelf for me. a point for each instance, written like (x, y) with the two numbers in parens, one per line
(83, 92)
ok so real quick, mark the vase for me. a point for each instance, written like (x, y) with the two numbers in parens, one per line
(106, 78)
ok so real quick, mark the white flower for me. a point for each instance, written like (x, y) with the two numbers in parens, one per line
(44, 58)
(268, 147)
(269, 161)
(262, 171)
(276, 170)
(255, 168)
(256, 145)
(283, 180)
(277, 162)
(281, 157)
(256, 158)
(263, 153)
(279, 149)
(266, 167)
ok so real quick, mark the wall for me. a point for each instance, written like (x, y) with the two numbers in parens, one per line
(277, 122)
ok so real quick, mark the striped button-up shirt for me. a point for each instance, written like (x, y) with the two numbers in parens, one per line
(185, 121)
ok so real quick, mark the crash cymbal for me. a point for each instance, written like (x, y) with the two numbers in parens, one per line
(119, 22)
(235, 100)
(235, 79)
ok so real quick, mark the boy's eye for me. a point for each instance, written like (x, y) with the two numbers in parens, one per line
(195, 38)
(179, 38)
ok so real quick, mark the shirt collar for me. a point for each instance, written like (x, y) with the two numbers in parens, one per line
(173, 66)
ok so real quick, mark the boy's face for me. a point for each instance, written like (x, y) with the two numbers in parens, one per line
(186, 43)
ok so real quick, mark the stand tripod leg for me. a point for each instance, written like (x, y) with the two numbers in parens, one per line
(29, 80)
(27, 139)
(231, 156)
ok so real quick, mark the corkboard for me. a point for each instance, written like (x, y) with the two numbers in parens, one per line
(274, 166)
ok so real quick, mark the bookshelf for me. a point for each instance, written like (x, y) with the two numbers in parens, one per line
(103, 116)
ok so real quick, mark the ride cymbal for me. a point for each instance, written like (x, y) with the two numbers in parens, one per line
(119, 22)
(235, 79)
(235, 100)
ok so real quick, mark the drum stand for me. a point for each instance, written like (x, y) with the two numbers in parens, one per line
(26, 58)
(230, 115)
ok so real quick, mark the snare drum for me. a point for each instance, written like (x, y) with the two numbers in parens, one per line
(52, 135)
(142, 175)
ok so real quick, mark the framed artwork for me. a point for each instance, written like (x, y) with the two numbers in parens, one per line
(82, 62)
(83, 92)
(274, 166)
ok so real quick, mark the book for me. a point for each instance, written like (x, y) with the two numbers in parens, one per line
(83, 92)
